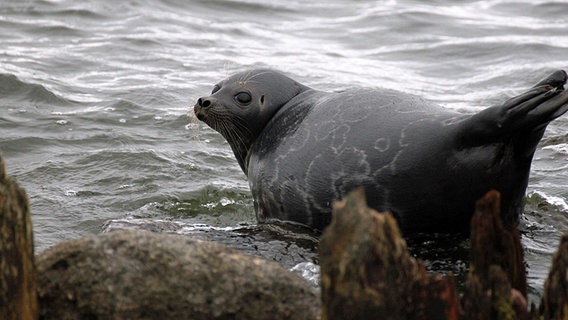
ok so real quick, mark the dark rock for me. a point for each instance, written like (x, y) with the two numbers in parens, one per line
(143, 275)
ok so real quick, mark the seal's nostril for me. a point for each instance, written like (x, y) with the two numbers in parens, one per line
(203, 102)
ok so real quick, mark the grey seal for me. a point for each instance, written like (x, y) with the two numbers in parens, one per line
(301, 149)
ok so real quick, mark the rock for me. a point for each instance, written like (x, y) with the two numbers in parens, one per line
(143, 275)
(17, 269)
(287, 244)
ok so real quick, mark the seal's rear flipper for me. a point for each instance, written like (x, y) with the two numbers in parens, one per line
(520, 116)
(557, 79)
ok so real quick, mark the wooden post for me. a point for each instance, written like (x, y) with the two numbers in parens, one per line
(496, 287)
(493, 243)
(555, 300)
(368, 273)
(18, 295)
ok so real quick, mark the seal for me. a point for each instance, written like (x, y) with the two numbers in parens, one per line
(301, 149)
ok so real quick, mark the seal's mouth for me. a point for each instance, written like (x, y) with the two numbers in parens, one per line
(199, 112)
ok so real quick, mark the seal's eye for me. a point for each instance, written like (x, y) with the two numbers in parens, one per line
(215, 89)
(243, 97)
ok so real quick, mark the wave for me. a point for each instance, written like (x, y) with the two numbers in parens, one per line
(13, 89)
(546, 202)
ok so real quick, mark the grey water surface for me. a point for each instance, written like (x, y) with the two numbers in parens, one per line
(96, 104)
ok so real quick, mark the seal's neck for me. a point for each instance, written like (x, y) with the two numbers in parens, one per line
(239, 138)
(241, 149)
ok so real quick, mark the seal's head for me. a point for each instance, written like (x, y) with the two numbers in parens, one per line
(240, 106)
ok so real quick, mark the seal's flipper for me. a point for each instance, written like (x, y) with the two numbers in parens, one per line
(519, 116)
(557, 79)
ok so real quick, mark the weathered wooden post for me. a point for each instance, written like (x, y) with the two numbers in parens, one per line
(496, 287)
(555, 301)
(18, 295)
(368, 273)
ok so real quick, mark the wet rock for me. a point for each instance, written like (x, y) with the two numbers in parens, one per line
(17, 269)
(289, 245)
(143, 275)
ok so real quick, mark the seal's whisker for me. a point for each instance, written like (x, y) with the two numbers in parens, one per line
(240, 137)
(235, 138)
(245, 77)
(234, 120)
(226, 68)
(251, 77)
(242, 125)
(229, 131)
